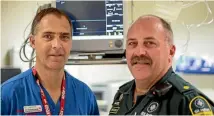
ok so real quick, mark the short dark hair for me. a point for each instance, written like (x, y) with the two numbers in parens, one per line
(45, 12)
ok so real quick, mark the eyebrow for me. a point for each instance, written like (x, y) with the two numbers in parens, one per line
(149, 38)
(65, 33)
(48, 32)
(146, 38)
(61, 33)
(131, 39)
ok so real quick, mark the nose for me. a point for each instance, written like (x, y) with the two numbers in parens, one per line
(56, 43)
(140, 50)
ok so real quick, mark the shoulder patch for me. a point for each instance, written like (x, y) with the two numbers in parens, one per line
(200, 106)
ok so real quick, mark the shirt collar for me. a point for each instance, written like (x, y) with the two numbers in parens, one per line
(130, 86)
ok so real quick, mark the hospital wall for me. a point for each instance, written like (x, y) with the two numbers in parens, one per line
(16, 17)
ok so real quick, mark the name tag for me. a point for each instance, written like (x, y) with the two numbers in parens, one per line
(32, 109)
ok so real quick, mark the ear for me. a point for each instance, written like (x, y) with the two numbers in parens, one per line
(172, 50)
(32, 41)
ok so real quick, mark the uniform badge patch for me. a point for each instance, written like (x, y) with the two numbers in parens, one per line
(116, 105)
(199, 106)
(152, 107)
(114, 110)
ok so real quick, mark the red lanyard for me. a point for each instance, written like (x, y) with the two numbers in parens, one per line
(44, 100)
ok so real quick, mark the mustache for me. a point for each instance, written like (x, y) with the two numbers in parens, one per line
(141, 60)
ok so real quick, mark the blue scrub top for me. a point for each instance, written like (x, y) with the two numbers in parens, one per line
(22, 90)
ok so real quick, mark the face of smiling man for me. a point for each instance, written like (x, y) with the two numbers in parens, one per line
(149, 53)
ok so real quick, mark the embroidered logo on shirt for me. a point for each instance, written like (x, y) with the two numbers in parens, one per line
(199, 103)
(152, 107)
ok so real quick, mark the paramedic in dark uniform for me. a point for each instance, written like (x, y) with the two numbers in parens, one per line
(156, 89)
(46, 88)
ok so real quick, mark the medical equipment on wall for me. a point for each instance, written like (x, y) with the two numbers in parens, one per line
(98, 26)
(170, 10)
(165, 9)
(105, 93)
(204, 22)
(25, 46)
(7, 73)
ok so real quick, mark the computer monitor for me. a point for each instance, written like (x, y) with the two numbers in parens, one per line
(7, 73)
(98, 26)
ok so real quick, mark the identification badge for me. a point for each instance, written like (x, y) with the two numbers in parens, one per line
(33, 109)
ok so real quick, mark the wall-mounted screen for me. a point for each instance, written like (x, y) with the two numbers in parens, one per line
(97, 25)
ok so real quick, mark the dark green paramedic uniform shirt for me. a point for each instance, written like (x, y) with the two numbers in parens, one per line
(170, 96)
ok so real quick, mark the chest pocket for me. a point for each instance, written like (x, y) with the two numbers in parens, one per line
(150, 105)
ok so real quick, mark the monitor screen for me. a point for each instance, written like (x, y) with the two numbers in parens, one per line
(97, 25)
(7, 73)
(94, 18)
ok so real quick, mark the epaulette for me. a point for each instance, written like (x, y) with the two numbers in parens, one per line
(180, 84)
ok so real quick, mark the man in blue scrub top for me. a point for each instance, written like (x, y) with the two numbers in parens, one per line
(47, 89)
